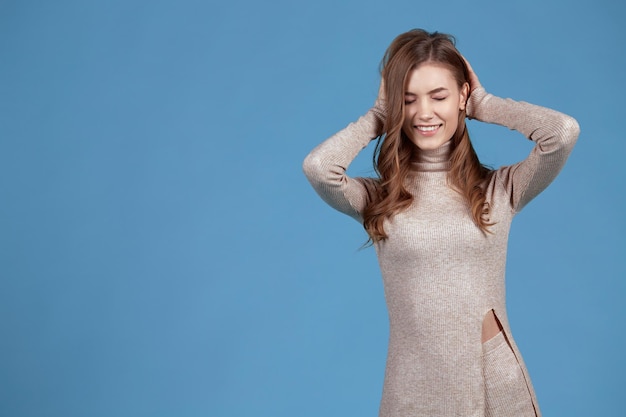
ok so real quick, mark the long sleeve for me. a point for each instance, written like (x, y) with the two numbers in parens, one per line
(554, 135)
(326, 165)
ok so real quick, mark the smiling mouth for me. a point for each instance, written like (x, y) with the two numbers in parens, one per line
(426, 129)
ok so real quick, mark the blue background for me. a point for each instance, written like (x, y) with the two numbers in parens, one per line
(161, 253)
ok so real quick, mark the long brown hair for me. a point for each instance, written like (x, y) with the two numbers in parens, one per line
(395, 152)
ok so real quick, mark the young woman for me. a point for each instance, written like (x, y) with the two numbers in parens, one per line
(439, 221)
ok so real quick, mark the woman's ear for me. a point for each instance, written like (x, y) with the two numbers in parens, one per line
(464, 94)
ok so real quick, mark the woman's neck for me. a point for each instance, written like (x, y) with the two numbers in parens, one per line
(433, 159)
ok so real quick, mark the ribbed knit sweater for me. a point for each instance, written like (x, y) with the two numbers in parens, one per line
(441, 273)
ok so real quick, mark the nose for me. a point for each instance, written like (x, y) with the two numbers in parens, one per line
(425, 110)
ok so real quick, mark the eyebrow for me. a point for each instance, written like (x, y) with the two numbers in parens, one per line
(436, 90)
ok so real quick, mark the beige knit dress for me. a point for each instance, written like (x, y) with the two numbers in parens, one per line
(441, 274)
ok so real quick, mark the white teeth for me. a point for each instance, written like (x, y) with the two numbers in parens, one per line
(427, 128)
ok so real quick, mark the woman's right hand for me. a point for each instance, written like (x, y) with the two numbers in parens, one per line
(380, 107)
(381, 91)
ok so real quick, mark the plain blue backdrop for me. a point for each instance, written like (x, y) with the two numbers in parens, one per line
(161, 253)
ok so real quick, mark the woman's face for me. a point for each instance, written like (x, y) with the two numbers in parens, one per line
(432, 102)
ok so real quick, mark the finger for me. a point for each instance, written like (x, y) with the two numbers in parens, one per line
(469, 67)
(473, 78)
(381, 89)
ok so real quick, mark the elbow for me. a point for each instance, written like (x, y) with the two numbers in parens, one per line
(319, 170)
(563, 135)
(570, 130)
(312, 166)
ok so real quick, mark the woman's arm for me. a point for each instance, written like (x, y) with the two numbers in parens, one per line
(554, 135)
(326, 165)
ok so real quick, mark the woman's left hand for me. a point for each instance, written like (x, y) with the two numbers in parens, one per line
(473, 78)
(474, 83)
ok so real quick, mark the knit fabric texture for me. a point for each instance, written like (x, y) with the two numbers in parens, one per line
(441, 273)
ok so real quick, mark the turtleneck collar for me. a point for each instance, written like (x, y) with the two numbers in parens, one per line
(435, 159)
